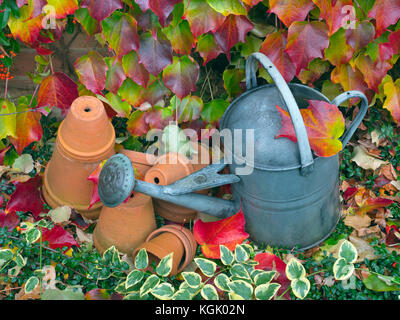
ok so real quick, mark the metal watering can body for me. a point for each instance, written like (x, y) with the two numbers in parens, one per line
(291, 198)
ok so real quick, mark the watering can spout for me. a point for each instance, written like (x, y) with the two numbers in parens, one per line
(117, 181)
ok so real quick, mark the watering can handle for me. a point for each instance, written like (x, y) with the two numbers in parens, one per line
(360, 116)
(297, 120)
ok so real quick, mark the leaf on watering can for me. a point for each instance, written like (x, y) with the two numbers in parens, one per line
(228, 232)
(342, 270)
(207, 267)
(94, 177)
(324, 124)
(208, 292)
(266, 291)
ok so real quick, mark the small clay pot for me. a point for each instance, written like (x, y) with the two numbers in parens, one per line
(142, 162)
(169, 168)
(167, 239)
(84, 139)
(125, 226)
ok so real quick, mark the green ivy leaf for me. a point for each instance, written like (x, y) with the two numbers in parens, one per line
(241, 254)
(239, 271)
(192, 279)
(31, 284)
(241, 290)
(300, 287)
(348, 252)
(111, 256)
(227, 257)
(32, 235)
(150, 283)
(20, 261)
(182, 294)
(232, 79)
(133, 278)
(165, 266)
(208, 292)
(381, 283)
(164, 291)
(264, 277)
(141, 259)
(266, 291)
(214, 110)
(206, 266)
(342, 270)
(295, 270)
(221, 281)
(5, 255)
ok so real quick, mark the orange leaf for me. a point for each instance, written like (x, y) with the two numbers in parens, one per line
(228, 232)
(324, 124)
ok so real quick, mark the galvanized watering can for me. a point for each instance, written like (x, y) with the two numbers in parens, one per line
(290, 199)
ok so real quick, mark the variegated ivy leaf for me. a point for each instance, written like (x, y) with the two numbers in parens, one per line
(136, 296)
(111, 256)
(13, 272)
(182, 294)
(141, 259)
(165, 266)
(150, 283)
(193, 279)
(241, 290)
(295, 270)
(342, 270)
(192, 290)
(31, 284)
(206, 266)
(208, 292)
(266, 291)
(300, 287)
(227, 257)
(32, 235)
(241, 254)
(239, 271)
(221, 281)
(134, 277)
(164, 291)
(249, 249)
(348, 252)
(264, 277)
(20, 261)
(5, 255)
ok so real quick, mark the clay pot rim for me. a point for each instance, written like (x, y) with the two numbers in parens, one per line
(85, 156)
(187, 240)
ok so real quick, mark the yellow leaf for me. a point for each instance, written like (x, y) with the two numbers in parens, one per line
(7, 123)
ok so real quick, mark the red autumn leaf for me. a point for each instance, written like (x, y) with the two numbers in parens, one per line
(141, 122)
(57, 90)
(324, 124)
(101, 9)
(268, 262)
(290, 11)
(163, 8)
(380, 182)
(28, 130)
(94, 177)
(3, 154)
(77, 219)
(392, 235)
(102, 294)
(360, 36)
(35, 7)
(333, 12)
(273, 47)
(350, 192)
(388, 49)
(306, 41)
(135, 70)
(27, 197)
(9, 221)
(58, 237)
(385, 13)
(181, 76)
(232, 31)
(92, 71)
(155, 52)
(202, 18)
(120, 31)
(371, 204)
(115, 75)
(207, 48)
(228, 232)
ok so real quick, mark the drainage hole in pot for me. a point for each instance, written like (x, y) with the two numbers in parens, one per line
(156, 180)
(87, 109)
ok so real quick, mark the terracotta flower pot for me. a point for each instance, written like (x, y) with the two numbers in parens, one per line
(169, 168)
(141, 161)
(125, 226)
(84, 139)
(167, 239)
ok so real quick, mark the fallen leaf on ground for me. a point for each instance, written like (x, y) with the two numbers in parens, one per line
(60, 214)
(366, 161)
(357, 221)
(364, 249)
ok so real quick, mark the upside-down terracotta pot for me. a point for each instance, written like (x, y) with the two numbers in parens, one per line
(167, 239)
(84, 139)
(125, 226)
(169, 168)
(141, 161)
